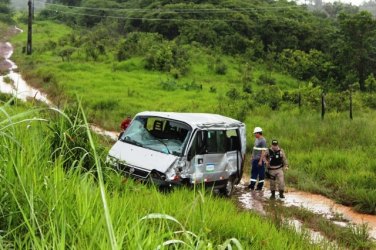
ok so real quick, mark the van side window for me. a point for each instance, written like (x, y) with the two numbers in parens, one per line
(213, 142)
(216, 141)
(233, 140)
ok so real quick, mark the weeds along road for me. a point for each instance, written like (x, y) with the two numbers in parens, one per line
(13, 83)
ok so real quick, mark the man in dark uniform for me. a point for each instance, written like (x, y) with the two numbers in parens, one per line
(276, 161)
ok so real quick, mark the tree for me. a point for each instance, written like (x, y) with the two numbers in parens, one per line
(358, 52)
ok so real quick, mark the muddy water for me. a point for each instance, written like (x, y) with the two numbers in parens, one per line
(318, 204)
(18, 87)
(246, 199)
(325, 206)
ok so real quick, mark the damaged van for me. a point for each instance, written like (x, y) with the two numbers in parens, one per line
(182, 148)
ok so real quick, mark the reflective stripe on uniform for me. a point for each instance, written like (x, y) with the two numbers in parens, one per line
(256, 148)
(261, 181)
(253, 180)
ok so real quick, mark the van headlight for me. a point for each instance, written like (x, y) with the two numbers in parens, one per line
(111, 160)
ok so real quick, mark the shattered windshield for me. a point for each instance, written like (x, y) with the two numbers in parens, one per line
(159, 134)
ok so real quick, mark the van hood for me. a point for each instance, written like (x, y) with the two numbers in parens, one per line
(142, 157)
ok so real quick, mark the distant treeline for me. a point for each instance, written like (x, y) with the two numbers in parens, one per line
(332, 47)
(5, 11)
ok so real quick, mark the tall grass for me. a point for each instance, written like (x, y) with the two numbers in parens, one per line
(45, 205)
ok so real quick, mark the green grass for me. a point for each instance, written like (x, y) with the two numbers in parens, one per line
(46, 205)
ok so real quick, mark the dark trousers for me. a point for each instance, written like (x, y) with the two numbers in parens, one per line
(257, 171)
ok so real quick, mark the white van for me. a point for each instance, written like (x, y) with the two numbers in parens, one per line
(182, 148)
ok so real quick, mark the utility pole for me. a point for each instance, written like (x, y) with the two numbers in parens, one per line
(351, 105)
(322, 105)
(29, 28)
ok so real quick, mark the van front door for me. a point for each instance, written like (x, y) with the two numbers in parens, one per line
(208, 156)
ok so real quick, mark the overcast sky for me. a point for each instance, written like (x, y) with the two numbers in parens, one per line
(353, 2)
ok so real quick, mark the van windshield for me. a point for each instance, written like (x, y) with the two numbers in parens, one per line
(159, 134)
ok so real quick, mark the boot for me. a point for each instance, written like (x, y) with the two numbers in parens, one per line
(272, 197)
(281, 194)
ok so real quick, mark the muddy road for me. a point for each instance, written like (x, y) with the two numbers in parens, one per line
(12, 83)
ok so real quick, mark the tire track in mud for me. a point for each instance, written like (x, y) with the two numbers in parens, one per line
(244, 198)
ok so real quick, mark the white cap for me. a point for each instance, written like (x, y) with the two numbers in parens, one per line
(257, 130)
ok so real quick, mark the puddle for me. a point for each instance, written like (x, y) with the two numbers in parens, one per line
(316, 237)
(111, 134)
(17, 87)
(249, 200)
(318, 204)
(331, 210)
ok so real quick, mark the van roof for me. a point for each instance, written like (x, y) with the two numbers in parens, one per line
(201, 120)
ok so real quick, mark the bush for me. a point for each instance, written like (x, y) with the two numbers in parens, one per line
(247, 88)
(212, 89)
(220, 67)
(270, 96)
(169, 85)
(192, 86)
(369, 100)
(266, 79)
(106, 105)
(370, 83)
(168, 57)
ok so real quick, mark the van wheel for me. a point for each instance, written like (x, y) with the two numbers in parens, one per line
(229, 188)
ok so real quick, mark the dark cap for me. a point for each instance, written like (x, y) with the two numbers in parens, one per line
(274, 142)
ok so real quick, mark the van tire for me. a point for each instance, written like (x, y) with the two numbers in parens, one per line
(229, 188)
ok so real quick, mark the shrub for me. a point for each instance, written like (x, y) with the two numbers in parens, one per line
(370, 83)
(369, 100)
(266, 79)
(233, 94)
(192, 86)
(212, 89)
(247, 88)
(168, 57)
(66, 52)
(169, 85)
(220, 67)
(106, 105)
(270, 96)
